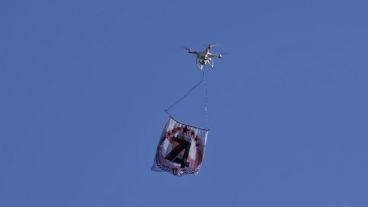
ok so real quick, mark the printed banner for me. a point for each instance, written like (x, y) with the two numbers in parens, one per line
(181, 149)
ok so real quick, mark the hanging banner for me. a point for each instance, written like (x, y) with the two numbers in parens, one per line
(181, 149)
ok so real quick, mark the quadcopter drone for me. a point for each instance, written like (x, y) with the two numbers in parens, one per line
(204, 57)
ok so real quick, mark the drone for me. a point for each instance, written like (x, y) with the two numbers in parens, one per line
(204, 57)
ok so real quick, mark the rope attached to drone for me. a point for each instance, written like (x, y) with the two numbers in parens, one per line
(188, 93)
(205, 102)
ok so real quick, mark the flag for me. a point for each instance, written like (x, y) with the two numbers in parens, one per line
(181, 149)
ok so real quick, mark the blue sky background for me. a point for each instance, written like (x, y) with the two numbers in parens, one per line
(83, 86)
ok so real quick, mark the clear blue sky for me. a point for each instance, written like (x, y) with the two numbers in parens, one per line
(83, 86)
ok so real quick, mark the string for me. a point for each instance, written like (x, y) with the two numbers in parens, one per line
(205, 103)
(186, 94)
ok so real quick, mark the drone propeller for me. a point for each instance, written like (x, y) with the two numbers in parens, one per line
(211, 45)
(188, 49)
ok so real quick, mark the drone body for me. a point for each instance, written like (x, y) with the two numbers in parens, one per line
(204, 57)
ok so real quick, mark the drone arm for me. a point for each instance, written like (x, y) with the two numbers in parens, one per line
(216, 55)
(189, 50)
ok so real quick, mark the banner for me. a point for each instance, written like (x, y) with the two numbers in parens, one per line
(181, 149)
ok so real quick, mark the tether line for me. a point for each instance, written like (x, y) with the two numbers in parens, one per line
(205, 103)
(186, 94)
